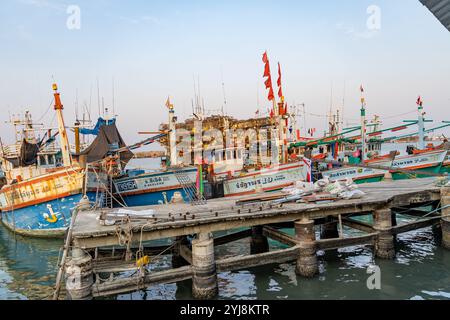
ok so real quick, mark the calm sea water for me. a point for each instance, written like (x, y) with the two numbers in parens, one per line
(419, 271)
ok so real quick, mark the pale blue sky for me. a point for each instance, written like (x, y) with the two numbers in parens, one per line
(153, 48)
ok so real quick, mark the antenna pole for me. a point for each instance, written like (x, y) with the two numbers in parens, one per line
(98, 98)
(64, 141)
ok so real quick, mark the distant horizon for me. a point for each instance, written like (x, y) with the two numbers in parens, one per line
(150, 51)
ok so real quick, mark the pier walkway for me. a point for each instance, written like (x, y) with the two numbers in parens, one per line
(91, 242)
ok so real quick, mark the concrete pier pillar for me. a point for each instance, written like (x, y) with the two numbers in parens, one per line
(259, 243)
(204, 279)
(384, 246)
(79, 276)
(445, 222)
(307, 265)
(177, 260)
(329, 230)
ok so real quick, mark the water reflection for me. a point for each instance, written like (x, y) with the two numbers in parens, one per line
(419, 271)
(28, 266)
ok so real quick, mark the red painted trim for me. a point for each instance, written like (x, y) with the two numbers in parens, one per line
(399, 129)
(369, 176)
(39, 179)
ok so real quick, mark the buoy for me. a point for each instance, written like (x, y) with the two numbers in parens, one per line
(145, 260)
(84, 204)
(177, 198)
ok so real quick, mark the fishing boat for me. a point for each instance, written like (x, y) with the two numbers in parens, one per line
(139, 188)
(268, 179)
(371, 165)
(238, 157)
(44, 182)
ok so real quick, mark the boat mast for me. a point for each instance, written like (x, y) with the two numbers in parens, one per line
(363, 125)
(64, 141)
(172, 134)
(421, 124)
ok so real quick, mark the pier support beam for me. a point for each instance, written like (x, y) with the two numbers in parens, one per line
(177, 259)
(204, 279)
(307, 265)
(384, 246)
(259, 243)
(79, 276)
(329, 230)
(445, 222)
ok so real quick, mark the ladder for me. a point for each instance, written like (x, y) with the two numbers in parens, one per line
(189, 188)
(107, 199)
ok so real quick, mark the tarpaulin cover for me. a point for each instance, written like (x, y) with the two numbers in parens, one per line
(100, 122)
(108, 140)
(28, 155)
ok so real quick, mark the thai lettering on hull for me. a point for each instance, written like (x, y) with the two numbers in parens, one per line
(271, 180)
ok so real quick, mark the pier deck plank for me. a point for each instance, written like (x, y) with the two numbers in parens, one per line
(223, 214)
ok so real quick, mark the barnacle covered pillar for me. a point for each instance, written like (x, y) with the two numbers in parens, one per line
(445, 221)
(384, 246)
(79, 276)
(204, 278)
(259, 243)
(307, 265)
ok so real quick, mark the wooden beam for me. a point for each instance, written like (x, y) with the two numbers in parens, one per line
(124, 285)
(331, 244)
(358, 225)
(249, 261)
(415, 225)
(186, 253)
(232, 237)
(279, 236)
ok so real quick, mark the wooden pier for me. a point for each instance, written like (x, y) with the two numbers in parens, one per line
(98, 249)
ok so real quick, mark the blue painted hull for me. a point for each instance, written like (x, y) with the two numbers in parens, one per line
(37, 220)
(151, 188)
(152, 198)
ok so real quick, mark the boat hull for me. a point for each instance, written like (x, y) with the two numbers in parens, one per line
(446, 165)
(41, 207)
(48, 219)
(151, 188)
(270, 179)
(425, 162)
(358, 175)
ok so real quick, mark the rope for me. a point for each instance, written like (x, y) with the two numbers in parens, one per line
(108, 191)
(48, 109)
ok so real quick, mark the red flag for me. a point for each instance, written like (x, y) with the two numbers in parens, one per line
(266, 70)
(280, 93)
(272, 114)
(271, 96)
(268, 83)
(265, 59)
(419, 101)
(279, 75)
(280, 90)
